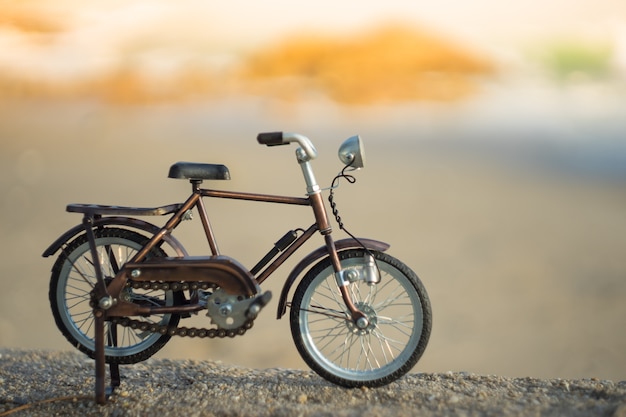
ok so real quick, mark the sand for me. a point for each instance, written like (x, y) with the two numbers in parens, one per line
(51, 383)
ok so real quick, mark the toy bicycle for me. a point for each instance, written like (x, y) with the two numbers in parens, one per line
(121, 285)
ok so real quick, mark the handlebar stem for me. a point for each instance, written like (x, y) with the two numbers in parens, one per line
(305, 143)
(307, 170)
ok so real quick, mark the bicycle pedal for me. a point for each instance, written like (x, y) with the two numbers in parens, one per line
(258, 304)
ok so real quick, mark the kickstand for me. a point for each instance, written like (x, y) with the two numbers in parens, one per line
(114, 368)
(99, 356)
(100, 294)
(103, 393)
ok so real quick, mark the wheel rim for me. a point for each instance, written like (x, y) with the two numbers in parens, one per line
(335, 343)
(77, 279)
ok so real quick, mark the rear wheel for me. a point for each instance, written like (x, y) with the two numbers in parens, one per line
(73, 279)
(399, 322)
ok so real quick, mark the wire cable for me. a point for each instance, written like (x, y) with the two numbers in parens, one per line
(333, 205)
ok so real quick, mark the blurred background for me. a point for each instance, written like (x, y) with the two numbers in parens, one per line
(496, 156)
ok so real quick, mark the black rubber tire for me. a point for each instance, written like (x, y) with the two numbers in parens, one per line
(321, 328)
(70, 285)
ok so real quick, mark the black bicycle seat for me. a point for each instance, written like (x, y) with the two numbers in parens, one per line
(195, 171)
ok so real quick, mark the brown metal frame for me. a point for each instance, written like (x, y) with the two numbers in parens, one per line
(224, 272)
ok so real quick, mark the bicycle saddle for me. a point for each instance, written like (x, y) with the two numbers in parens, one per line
(195, 171)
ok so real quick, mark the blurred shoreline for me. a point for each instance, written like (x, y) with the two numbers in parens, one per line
(576, 128)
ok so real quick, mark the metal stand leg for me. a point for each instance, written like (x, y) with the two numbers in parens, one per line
(100, 298)
(102, 392)
(114, 368)
(99, 356)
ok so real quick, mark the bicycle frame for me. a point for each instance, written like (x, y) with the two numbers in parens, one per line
(223, 271)
(195, 200)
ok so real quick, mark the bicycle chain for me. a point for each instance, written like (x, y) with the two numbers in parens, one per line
(174, 330)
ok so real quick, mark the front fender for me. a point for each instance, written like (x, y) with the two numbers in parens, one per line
(115, 221)
(315, 256)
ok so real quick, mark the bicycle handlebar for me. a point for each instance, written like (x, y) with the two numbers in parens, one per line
(270, 138)
(284, 138)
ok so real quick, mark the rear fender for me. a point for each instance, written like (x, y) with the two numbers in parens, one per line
(320, 253)
(128, 222)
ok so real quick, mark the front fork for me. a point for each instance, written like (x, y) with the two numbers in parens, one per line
(358, 317)
(321, 218)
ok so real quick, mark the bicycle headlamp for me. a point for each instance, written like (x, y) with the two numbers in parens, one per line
(352, 153)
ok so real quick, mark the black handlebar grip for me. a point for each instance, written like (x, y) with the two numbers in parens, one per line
(271, 138)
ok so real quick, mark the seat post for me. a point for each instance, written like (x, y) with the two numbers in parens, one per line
(195, 184)
(206, 223)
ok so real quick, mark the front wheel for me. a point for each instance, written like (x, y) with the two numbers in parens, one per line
(398, 311)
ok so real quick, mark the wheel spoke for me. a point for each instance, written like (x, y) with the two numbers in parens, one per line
(384, 346)
(112, 259)
(84, 276)
(326, 312)
(392, 299)
(347, 352)
(331, 336)
(81, 318)
(333, 291)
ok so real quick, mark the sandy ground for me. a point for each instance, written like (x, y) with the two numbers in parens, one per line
(37, 383)
(520, 244)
